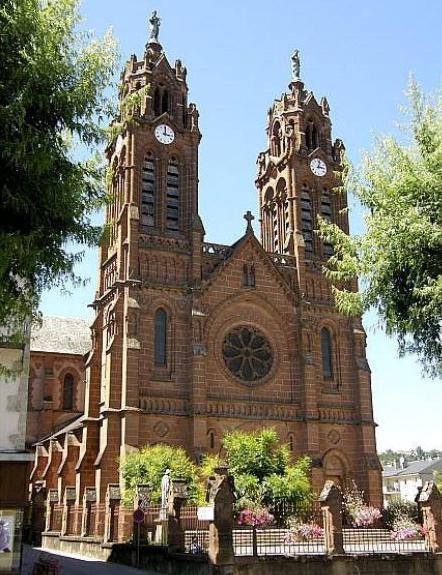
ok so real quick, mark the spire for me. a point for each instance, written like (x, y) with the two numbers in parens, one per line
(154, 22)
(296, 66)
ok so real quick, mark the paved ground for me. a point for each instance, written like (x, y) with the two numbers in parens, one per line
(75, 565)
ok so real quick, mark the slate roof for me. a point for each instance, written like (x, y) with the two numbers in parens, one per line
(61, 335)
(414, 468)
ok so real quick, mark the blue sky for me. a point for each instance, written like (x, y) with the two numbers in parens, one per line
(359, 55)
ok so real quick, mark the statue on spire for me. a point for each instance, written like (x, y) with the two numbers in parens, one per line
(296, 65)
(154, 22)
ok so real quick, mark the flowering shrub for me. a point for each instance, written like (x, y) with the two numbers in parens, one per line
(406, 528)
(304, 531)
(360, 514)
(366, 516)
(259, 517)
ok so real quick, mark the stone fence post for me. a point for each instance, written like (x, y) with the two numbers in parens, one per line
(175, 533)
(89, 498)
(331, 505)
(51, 500)
(70, 495)
(220, 495)
(431, 505)
(141, 501)
(112, 502)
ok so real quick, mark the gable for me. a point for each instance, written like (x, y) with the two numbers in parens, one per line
(230, 273)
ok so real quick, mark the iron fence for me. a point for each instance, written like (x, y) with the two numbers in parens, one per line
(196, 531)
(365, 541)
(258, 541)
(294, 530)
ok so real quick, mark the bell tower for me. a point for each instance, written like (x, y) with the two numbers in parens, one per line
(166, 138)
(297, 173)
(297, 178)
(151, 257)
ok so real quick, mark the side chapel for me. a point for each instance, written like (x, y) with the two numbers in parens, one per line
(191, 338)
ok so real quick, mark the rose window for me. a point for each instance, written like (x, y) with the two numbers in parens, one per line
(247, 353)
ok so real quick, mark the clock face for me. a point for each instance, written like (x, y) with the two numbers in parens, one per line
(164, 134)
(318, 167)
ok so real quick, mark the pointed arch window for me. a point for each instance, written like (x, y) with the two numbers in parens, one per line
(148, 192)
(307, 221)
(157, 102)
(248, 273)
(311, 136)
(327, 214)
(165, 101)
(160, 337)
(327, 353)
(173, 196)
(68, 391)
(277, 136)
(291, 442)
(211, 439)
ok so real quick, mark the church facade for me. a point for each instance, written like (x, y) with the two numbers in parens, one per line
(191, 338)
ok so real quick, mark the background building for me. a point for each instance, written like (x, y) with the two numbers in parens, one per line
(404, 479)
(14, 460)
(56, 375)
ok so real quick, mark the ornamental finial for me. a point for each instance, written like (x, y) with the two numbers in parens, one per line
(296, 66)
(249, 217)
(154, 22)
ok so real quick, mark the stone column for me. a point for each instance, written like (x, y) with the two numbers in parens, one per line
(175, 532)
(112, 500)
(51, 500)
(431, 505)
(220, 495)
(89, 498)
(141, 501)
(331, 505)
(68, 500)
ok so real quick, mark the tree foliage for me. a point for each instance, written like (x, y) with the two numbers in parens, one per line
(54, 96)
(148, 466)
(389, 457)
(399, 257)
(263, 472)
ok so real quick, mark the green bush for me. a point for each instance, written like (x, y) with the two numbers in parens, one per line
(399, 509)
(264, 475)
(149, 465)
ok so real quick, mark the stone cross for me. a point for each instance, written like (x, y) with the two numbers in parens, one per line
(249, 217)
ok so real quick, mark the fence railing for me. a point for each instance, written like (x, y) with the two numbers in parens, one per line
(368, 541)
(258, 541)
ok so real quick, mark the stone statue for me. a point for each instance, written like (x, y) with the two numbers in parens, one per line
(154, 27)
(165, 488)
(296, 65)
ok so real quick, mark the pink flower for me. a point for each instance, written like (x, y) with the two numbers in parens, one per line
(258, 518)
(366, 515)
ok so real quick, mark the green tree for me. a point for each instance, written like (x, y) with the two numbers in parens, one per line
(263, 472)
(54, 96)
(148, 466)
(399, 257)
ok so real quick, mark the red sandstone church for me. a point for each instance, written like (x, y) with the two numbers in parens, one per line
(191, 338)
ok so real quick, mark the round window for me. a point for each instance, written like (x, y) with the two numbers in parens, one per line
(247, 353)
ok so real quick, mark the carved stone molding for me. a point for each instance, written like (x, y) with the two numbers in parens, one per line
(342, 415)
(334, 436)
(161, 428)
(242, 409)
(167, 244)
